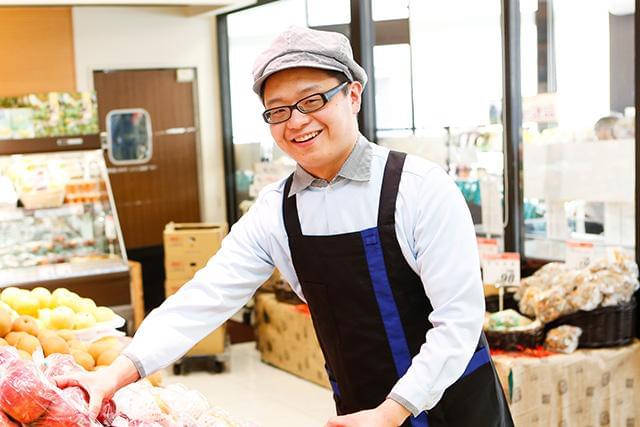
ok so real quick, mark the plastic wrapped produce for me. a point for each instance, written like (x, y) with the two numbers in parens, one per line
(138, 401)
(24, 394)
(563, 339)
(216, 417)
(57, 364)
(507, 319)
(29, 397)
(186, 405)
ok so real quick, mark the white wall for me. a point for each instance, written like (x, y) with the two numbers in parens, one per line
(160, 37)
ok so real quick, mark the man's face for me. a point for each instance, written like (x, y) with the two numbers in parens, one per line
(320, 141)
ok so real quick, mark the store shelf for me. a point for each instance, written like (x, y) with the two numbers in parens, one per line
(104, 281)
(50, 144)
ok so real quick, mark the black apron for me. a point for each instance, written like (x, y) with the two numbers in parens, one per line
(370, 313)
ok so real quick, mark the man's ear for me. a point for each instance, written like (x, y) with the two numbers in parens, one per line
(355, 96)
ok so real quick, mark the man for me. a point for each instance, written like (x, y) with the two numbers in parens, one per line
(381, 246)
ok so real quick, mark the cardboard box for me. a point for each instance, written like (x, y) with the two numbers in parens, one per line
(286, 339)
(188, 247)
(214, 343)
(586, 388)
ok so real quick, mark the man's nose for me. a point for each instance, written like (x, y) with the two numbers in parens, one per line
(297, 119)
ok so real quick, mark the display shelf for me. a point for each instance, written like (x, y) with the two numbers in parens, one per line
(50, 144)
(77, 244)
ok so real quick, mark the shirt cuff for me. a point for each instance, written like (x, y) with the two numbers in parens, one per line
(404, 402)
(136, 362)
(412, 395)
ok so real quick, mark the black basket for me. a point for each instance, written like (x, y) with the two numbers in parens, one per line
(515, 340)
(602, 327)
(492, 302)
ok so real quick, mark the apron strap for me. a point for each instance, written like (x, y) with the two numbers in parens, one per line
(290, 210)
(390, 184)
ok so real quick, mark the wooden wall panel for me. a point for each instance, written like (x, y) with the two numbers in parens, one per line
(36, 50)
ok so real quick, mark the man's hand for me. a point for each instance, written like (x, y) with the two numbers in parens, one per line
(101, 385)
(388, 414)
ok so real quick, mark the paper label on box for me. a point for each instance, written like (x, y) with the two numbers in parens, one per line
(487, 247)
(502, 269)
(579, 254)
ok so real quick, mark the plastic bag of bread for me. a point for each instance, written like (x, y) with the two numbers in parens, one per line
(550, 270)
(586, 294)
(563, 339)
(536, 282)
(551, 304)
(616, 288)
(527, 304)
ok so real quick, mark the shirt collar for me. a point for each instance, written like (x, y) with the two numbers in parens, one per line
(357, 167)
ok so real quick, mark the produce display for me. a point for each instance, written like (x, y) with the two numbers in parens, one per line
(48, 334)
(556, 290)
(61, 322)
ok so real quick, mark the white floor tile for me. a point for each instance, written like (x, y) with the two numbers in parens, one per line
(259, 393)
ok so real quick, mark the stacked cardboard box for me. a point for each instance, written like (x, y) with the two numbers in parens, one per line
(187, 248)
(287, 340)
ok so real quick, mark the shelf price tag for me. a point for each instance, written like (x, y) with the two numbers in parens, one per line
(487, 247)
(501, 269)
(579, 254)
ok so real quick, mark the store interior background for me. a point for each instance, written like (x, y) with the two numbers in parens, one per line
(438, 93)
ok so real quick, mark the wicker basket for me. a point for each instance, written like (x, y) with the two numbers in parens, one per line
(602, 327)
(515, 340)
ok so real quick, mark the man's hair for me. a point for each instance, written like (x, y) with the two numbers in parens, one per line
(338, 75)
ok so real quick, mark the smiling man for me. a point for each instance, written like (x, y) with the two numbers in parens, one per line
(379, 244)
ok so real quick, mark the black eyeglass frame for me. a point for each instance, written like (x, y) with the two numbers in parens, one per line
(326, 97)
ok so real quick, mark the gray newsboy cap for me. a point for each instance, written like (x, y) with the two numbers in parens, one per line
(303, 47)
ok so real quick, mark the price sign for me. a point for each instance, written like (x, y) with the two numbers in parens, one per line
(502, 269)
(579, 254)
(487, 247)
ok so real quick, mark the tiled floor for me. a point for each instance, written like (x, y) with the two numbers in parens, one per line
(259, 393)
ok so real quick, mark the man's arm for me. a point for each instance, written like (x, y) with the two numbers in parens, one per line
(215, 293)
(446, 258)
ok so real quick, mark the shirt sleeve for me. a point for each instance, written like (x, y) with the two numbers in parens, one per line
(446, 257)
(215, 293)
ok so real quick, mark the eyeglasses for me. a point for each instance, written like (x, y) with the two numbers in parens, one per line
(306, 105)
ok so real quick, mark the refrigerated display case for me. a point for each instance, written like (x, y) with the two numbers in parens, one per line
(58, 222)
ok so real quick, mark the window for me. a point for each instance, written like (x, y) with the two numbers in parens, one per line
(129, 136)
(578, 127)
(439, 95)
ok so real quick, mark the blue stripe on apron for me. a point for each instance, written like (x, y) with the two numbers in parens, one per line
(391, 317)
(388, 309)
(479, 358)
